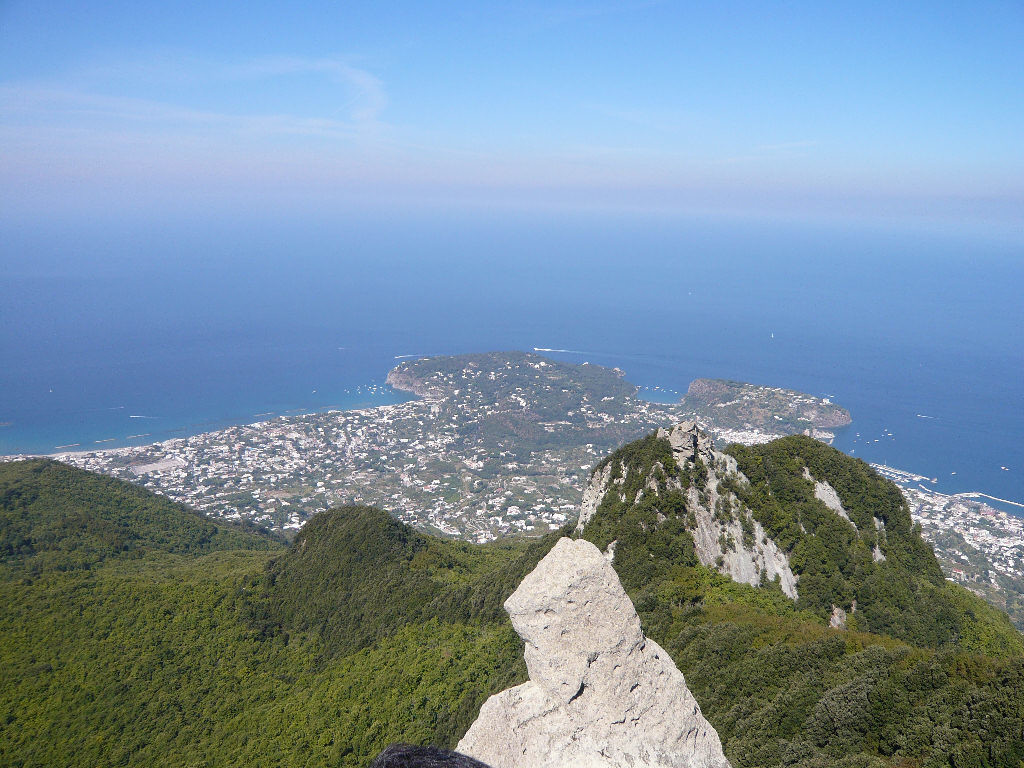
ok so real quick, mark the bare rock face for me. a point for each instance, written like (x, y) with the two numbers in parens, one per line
(600, 694)
(826, 494)
(689, 442)
(721, 544)
(838, 618)
(592, 496)
(725, 534)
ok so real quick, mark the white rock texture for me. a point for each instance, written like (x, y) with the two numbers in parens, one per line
(719, 543)
(826, 494)
(838, 618)
(600, 694)
(689, 442)
(736, 559)
(592, 495)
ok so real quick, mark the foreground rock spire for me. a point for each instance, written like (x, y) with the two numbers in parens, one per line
(600, 694)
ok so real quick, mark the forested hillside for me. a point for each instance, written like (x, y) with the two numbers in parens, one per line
(53, 516)
(926, 673)
(138, 633)
(219, 647)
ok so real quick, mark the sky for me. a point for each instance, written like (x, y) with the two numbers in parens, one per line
(868, 109)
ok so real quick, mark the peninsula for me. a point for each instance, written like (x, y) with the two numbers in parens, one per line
(494, 444)
(502, 443)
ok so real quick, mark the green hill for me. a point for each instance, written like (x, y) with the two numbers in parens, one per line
(331, 581)
(938, 681)
(904, 595)
(56, 516)
(132, 641)
(872, 564)
(139, 633)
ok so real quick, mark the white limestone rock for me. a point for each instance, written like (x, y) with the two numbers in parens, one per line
(838, 618)
(600, 694)
(736, 559)
(719, 543)
(593, 494)
(826, 494)
(689, 442)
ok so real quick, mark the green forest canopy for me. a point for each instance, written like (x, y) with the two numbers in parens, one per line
(220, 647)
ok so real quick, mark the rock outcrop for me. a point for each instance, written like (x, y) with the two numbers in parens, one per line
(592, 495)
(827, 495)
(600, 694)
(689, 442)
(838, 618)
(725, 534)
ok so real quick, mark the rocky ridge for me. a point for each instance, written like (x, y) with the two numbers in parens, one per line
(725, 534)
(600, 694)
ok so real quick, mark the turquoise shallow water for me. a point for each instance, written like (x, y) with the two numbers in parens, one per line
(189, 329)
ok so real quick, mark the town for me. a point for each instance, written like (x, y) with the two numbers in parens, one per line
(979, 546)
(493, 446)
(502, 444)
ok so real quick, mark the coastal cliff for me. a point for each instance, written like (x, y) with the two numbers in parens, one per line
(736, 405)
(403, 379)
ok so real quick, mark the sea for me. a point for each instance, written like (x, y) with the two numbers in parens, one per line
(116, 333)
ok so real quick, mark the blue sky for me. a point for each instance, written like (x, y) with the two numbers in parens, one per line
(821, 109)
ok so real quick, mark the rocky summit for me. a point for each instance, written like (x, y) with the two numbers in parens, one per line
(600, 694)
(725, 534)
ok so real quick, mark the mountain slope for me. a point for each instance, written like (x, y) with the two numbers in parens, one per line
(54, 514)
(165, 645)
(795, 513)
(779, 684)
(364, 632)
(862, 554)
(355, 575)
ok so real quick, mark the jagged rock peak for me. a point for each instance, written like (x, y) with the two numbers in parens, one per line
(689, 442)
(726, 535)
(600, 694)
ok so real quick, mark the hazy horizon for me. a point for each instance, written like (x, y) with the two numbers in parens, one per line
(875, 113)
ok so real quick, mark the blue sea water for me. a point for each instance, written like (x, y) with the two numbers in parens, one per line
(161, 329)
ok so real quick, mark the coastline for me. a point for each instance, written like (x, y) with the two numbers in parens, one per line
(399, 382)
(173, 434)
(489, 446)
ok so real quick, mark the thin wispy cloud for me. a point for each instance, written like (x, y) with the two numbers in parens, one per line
(114, 119)
(364, 94)
(775, 151)
(633, 97)
(663, 122)
(786, 146)
(359, 97)
(32, 108)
